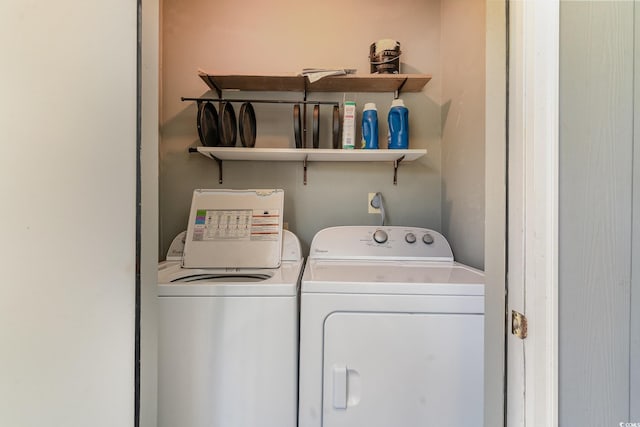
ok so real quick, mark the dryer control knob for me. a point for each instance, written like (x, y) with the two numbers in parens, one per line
(380, 236)
(428, 239)
(410, 238)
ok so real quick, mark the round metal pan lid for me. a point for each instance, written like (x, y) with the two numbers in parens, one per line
(228, 125)
(207, 123)
(316, 126)
(247, 125)
(297, 125)
(336, 127)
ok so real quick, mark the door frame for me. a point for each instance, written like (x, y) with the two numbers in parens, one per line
(149, 22)
(538, 36)
(533, 146)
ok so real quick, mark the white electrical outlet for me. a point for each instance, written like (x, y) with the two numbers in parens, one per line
(372, 210)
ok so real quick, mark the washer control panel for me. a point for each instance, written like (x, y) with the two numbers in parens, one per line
(390, 242)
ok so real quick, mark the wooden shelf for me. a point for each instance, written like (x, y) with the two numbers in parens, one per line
(305, 155)
(346, 83)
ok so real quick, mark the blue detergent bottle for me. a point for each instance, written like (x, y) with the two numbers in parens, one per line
(398, 125)
(370, 126)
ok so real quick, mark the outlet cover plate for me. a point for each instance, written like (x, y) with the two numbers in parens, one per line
(371, 209)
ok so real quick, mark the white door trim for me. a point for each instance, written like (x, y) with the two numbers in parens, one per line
(532, 394)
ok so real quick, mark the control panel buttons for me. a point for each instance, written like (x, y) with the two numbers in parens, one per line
(410, 238)
(428, 239)
(380, 236)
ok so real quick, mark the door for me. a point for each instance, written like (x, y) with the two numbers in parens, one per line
(598, 262)
(573, 206)
(403, 369)
(68, 197)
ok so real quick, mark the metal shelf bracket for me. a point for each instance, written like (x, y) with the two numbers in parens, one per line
(396, 94)
(213, 84)
(396, 163)
(219, 162)
(304, 165)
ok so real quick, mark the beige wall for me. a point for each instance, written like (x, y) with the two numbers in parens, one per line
(463, 128)
(286, 36)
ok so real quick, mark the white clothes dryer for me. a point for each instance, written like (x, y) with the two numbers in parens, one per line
(391, 331)
(228, 315)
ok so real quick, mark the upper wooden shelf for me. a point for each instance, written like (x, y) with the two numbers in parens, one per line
(346, 83)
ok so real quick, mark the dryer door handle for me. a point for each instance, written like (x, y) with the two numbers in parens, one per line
(340, 380)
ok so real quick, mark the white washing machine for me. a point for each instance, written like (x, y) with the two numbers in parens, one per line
(228, 315)
(391, 331)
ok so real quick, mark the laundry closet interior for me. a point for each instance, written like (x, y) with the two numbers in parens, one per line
(443, 190)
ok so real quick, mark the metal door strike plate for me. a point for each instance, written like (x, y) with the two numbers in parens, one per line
(518, 324)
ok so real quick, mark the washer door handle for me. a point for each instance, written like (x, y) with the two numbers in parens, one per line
(340, 377)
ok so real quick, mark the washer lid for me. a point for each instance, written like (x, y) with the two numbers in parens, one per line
(234, 229)
(176, 249)
(175, 281)
(391, 277)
